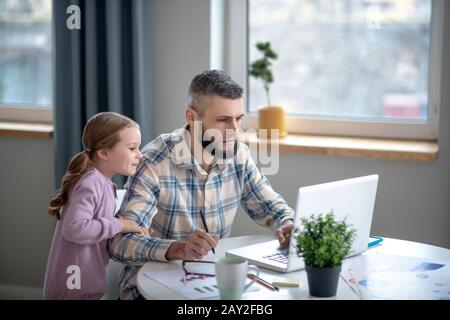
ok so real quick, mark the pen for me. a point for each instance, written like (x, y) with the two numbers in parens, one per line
(206, 227)
(263, 282)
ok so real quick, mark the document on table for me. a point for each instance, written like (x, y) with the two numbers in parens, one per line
(195, 287)
(379, 276)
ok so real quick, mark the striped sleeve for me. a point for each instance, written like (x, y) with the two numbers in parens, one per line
(263, 205)
(140, 206)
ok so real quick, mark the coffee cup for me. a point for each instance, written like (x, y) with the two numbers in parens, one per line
(231, 273)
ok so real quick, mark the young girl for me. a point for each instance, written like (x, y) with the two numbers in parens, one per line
(85, 206)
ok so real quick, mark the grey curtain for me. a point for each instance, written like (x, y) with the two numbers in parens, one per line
(104, 66)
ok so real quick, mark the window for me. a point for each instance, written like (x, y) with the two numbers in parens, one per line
(353, 67)
(25, 60)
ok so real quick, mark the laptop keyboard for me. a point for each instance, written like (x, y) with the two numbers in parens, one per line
(280, 256)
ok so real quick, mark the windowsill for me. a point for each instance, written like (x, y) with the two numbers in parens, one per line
(353, 147)
(26, 130)
(296, 143)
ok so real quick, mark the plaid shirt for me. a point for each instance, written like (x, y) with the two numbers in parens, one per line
(170, 188)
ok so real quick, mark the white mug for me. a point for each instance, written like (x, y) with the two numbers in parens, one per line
(231, 273)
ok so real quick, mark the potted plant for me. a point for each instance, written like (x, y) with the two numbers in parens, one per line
(323, 242)
(269, 117)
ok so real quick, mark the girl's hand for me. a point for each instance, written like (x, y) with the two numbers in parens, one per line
(129, 226)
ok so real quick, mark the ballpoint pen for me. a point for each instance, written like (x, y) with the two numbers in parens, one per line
(263, 282)
(206, 227)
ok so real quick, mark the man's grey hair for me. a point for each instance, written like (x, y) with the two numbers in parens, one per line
(210, 83)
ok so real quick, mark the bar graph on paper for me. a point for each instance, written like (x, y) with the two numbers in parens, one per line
(196, 287)
(380, 276)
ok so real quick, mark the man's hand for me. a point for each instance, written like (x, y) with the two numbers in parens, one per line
(195, 247)
(284, 233)
(199, 243)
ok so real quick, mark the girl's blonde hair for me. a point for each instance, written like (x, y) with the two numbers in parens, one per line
(101, 131)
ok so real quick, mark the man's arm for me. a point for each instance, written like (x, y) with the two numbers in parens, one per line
(262, 203)
(176, 251)
(140, 205)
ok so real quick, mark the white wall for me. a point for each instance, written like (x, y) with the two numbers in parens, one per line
(180, 40)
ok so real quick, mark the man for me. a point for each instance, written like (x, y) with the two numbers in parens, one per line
(200, 167)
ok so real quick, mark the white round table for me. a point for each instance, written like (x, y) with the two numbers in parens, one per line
(153, 290)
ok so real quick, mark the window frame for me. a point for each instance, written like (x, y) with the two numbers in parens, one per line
(235, 63)
(28, 113)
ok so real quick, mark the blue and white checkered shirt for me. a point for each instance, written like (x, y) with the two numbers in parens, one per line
(170, 188)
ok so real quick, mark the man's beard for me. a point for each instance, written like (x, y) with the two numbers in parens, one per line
(223, 152)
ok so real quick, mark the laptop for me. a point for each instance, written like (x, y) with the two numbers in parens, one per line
(352, 199)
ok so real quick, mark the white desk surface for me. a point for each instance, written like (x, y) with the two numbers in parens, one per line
(151, 289)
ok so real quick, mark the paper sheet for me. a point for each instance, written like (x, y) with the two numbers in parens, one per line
(196, 287)
(381, 276)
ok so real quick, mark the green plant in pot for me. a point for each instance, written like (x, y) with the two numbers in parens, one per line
(323, 242)
(269, 117)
